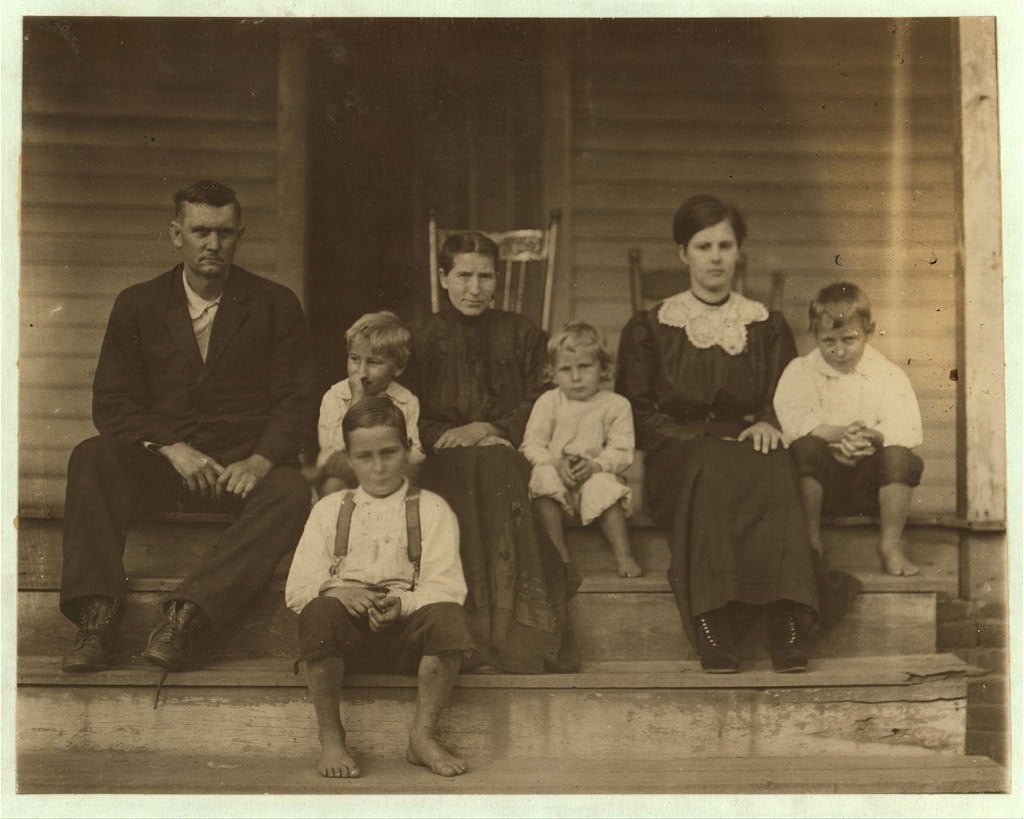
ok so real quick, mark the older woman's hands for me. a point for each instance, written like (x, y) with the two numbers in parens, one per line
(470, 434)
(764, 437)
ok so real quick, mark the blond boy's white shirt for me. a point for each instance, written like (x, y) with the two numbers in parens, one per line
(811, 393)
(335, 404)
(377, 551)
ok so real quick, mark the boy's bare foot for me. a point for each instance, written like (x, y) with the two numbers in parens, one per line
(896, 563)
(336, 762)
(427, 751)
(628, 567)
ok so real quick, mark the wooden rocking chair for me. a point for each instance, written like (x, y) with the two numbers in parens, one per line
(523, 255)
(648, 287)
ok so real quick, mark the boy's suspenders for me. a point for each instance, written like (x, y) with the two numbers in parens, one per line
(414, 540)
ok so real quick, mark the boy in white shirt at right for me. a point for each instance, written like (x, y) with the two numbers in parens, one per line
(852, 419)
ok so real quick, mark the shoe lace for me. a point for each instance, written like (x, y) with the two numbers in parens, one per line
(87, 637)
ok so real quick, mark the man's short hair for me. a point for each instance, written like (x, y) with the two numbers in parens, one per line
(839, 304)
(207, 192)
(374, 411)
(385, 334)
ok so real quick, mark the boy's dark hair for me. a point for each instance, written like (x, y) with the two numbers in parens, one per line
(839, 304)
(578, 336)
(704, 211)
(457, 243)
(207, 192)
(374, 411)
(386, 335)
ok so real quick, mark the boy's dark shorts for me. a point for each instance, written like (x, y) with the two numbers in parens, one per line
(326, 629)
(853, 490)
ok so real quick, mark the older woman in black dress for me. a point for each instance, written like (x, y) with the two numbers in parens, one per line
(700, 370)
(477, 372)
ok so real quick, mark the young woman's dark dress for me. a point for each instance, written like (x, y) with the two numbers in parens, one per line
(736, 529)
(491, 368)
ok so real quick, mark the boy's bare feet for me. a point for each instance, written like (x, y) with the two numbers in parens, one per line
(896, 563)
(426, 751)
(628, 567)
(336, 762)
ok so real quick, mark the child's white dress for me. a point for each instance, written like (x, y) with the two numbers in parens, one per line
(601, 429)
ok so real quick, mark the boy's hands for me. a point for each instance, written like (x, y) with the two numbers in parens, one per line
(386, 614)
(358, 600)
(859, 441)
(564, 471)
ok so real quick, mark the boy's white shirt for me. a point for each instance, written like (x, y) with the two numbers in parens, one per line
(812, 393)
(335, 404)
(600, 428)
(378, 551)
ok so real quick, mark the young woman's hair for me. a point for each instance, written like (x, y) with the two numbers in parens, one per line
(839, 304)
(703, 211)
(374, 411)
(459, 243)
(385, 334)
(207, 192)
(578, 337)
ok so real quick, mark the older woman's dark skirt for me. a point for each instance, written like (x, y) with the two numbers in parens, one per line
(517, 587)
(737, 532)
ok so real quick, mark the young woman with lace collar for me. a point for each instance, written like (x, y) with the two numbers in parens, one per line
(700, 370)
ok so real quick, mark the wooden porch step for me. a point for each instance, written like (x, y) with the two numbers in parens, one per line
(43, 772)
(170, 547)
(633, 625)
(843, 707)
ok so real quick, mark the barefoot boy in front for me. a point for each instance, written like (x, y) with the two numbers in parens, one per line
(378, 586)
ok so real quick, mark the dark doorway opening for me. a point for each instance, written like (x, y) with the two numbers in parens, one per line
(408, 115)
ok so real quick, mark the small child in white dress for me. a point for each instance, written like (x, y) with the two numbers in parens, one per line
(580, 440)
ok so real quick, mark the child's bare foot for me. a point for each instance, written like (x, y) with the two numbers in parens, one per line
(426, 751)
(896, 563)
(336, 762)
(628, 567)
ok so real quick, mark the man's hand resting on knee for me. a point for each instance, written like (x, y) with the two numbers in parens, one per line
(241, 477)
(200, 472)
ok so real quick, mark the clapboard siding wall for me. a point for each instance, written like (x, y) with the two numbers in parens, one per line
(834, 138)
(118, 114)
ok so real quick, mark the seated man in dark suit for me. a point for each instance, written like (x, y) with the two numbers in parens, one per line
(204, 393)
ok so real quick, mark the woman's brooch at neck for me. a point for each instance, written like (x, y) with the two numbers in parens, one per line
(707, 325)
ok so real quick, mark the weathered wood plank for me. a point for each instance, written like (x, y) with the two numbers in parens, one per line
(168, 549)
(923, 676)
(797, 198)
(611, 223)
(113, 772)
(174, 166)
(872, 139)
(497, 723)
(711, 168)
(637, 626)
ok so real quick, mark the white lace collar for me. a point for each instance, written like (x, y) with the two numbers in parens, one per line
(709, 324)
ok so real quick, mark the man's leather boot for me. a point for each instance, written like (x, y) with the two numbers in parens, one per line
(170, 643)
(94, 645)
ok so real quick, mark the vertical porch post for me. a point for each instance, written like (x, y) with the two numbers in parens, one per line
(981, 441)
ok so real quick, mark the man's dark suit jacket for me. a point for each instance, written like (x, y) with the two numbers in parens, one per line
(255, 393)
